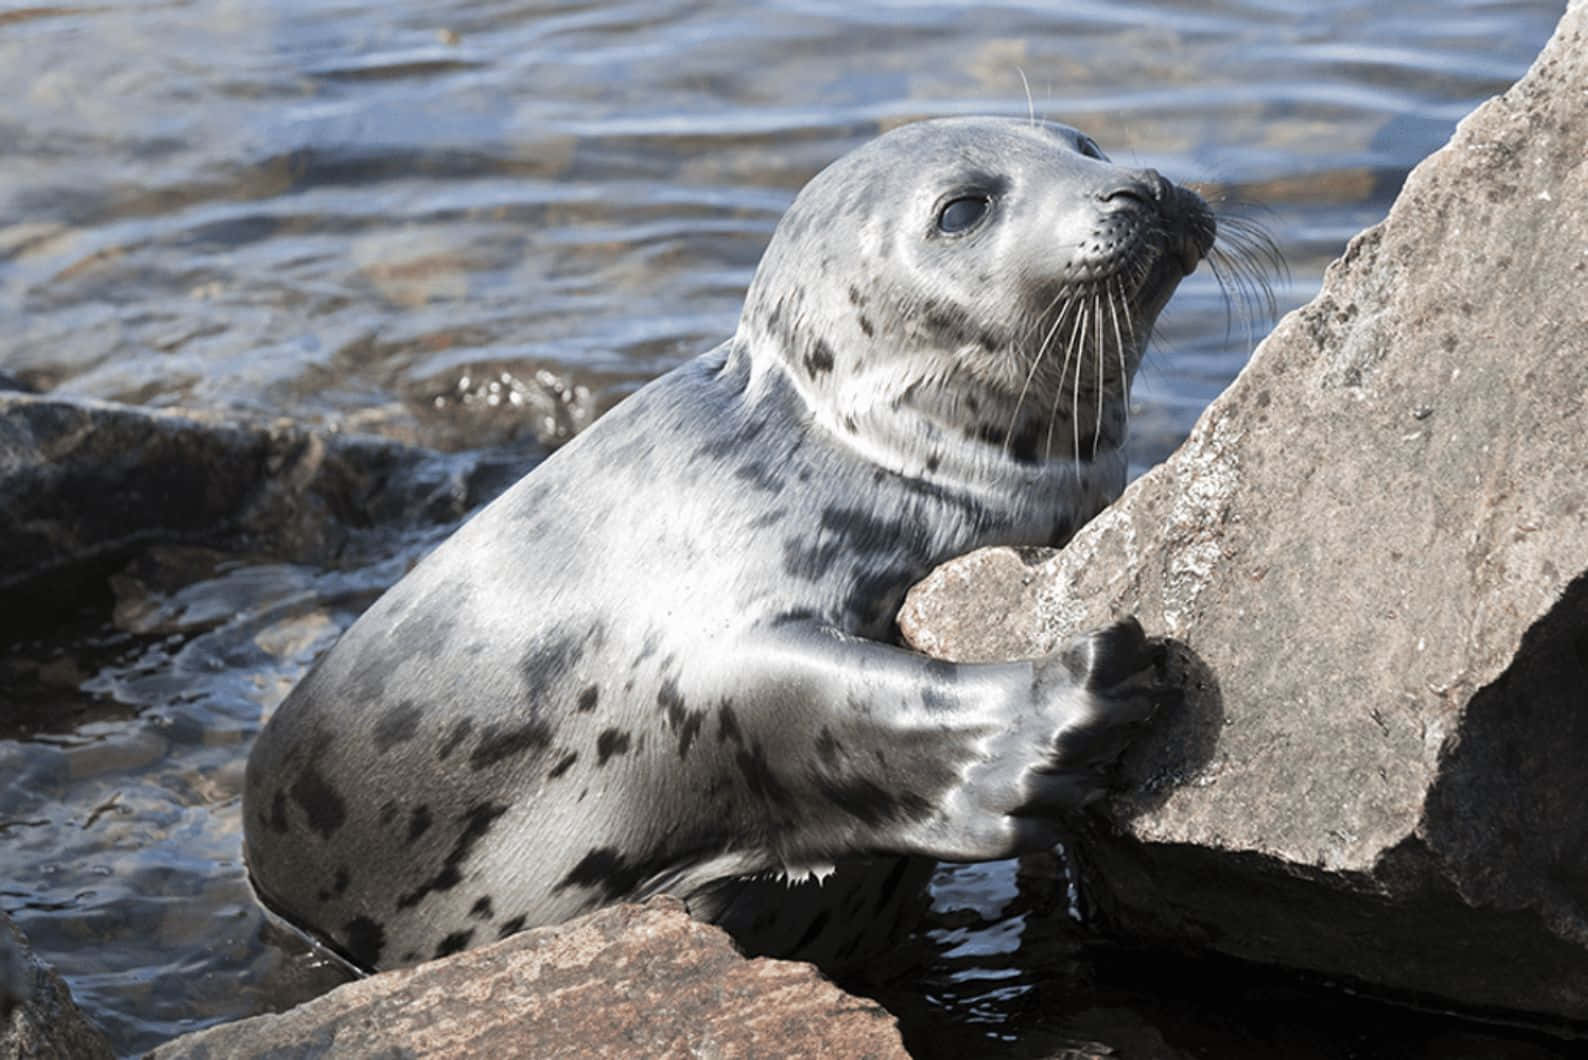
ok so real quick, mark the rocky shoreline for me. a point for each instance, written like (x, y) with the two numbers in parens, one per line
(1371, 560)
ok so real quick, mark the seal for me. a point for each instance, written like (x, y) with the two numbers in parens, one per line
(660, 662)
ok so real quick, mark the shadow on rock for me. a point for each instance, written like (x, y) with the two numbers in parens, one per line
(1179, 744)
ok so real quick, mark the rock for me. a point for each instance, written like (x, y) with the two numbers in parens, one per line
(85, 480)
(1371, 559)
(632, 980)
(38, 1020)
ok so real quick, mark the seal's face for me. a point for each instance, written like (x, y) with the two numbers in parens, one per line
(993, 279)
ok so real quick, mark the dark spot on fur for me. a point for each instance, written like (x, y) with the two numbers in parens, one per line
(856, 296)
(869, 802)
(363, 939)
(797, 616)
(827, 747)
(728, 725)
(933, 462)
(819, 361)
(648, 647)
(758, 475)
(563, 765)
(494, 746)
(460, 732)
(388, 812)
(481, 909)
(398, 725)
(850, 425)
(766, 519)
(611, 742)
(319, 801)
(548, 660)
(611, 875)
(341, 880)
(588, 699)
(935, 700)
(684, 722)
(418, 822)
(595, 869)
(1024, 445)
(731, 442)
(866, 326)
(991, 433)
(511, 927)
(689, 730)
(456, 942)
(760, 779)
(476, 823)
(671, 701)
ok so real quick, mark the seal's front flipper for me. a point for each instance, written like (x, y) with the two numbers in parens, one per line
(953, 761)
(1123, 674)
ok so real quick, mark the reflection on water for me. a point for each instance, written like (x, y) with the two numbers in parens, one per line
(369, 214)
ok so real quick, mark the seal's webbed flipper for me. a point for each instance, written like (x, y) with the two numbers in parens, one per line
(953, 761)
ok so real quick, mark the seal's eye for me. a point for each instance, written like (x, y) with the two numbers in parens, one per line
(960, 214)
(1088, 147)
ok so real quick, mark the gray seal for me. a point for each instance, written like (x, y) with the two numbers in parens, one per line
(661, 661)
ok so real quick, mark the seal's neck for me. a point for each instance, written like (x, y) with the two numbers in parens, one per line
(935, 431)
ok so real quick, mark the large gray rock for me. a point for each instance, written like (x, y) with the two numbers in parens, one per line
(38, 1020)
(634, 980)
(1372, 557)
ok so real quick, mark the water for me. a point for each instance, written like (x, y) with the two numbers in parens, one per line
(363, 215)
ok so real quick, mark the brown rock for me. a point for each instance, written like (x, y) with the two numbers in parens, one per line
(632, 980)
(1372, 555)
(38, 1019)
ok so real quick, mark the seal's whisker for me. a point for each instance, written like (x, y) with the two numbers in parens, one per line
(1042, 349)
(1245, 262)
(1115, 296)
(1097, 382)
(1077, 342)
(1031, 106)
(1064, 371)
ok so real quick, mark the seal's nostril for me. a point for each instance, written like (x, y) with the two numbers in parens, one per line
(1142, 188)
(1126, 193)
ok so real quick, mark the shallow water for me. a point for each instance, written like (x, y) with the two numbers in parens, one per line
(467, 223)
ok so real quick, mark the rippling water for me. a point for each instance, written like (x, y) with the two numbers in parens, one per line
(364, 214)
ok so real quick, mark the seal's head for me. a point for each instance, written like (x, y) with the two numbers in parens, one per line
(980, 285)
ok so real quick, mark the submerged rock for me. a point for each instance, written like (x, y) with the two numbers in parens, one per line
(83, 481)
(1371, 558)
(631, 980)
(38, 1019)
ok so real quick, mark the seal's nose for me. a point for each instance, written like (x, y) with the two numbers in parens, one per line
(1143, 188)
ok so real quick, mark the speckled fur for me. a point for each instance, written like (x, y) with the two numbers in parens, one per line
(660, 662)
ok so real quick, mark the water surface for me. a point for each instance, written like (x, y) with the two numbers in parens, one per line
(477, 224)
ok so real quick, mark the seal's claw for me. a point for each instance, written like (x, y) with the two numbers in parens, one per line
(1109, 656)
(1118, 688)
